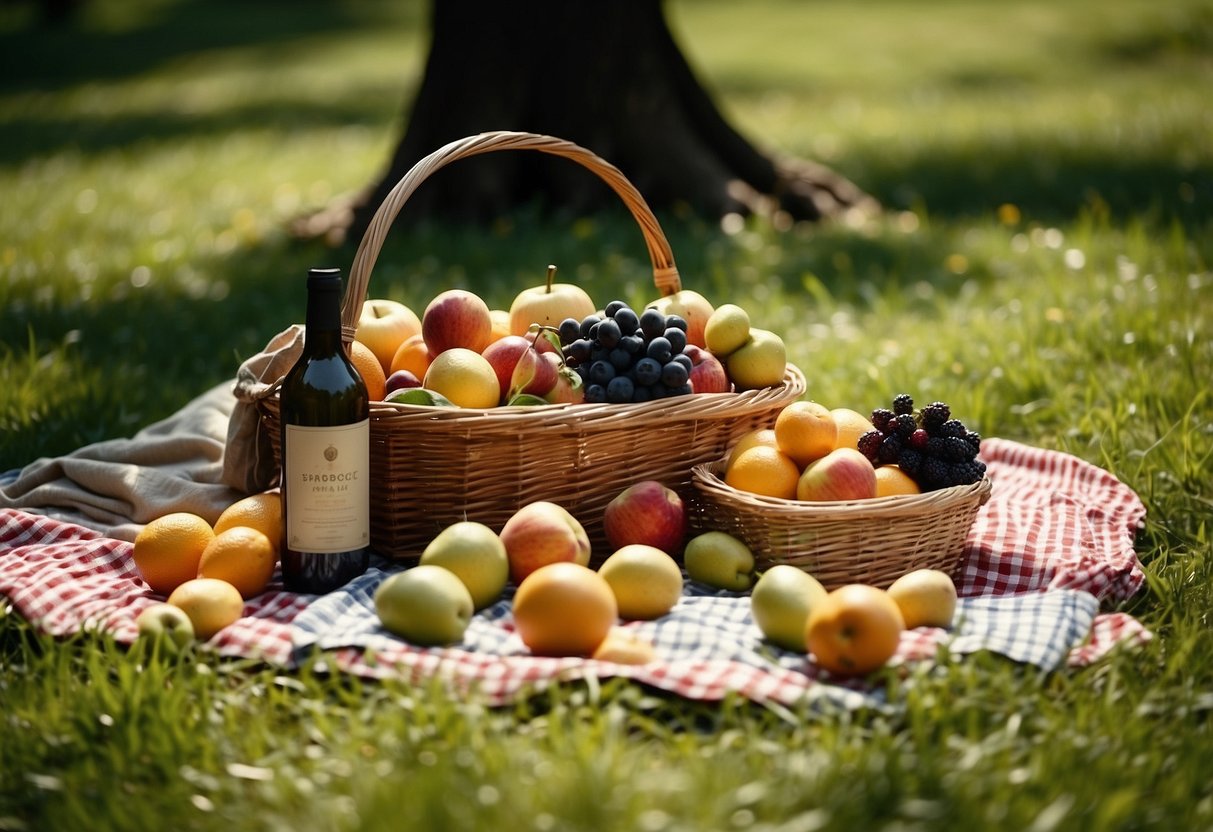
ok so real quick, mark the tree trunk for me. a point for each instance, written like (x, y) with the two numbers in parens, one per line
(608, 76)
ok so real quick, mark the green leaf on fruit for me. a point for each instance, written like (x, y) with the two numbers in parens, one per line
(552, 336)
(419, 395)
(526, 400)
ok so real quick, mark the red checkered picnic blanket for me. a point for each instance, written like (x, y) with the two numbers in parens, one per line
(1053, 542)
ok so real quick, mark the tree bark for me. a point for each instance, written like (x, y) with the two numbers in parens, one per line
(608, 76)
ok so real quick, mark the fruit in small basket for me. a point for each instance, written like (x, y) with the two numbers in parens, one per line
(568, 388)
(520, 368)
(426, 605)
(892, 481)
(647, 583)
(383, 326)
(720, 560)
(369, 368)
(765, 471)
(854, 630)
(564, 609)
(166, 623)
(805, 431)
(707, 373)
(413, 356)
(693, 308)
(727, 329)
(167, 550)
(464, 377)
(548, 305)
(242, 556)
(476, 555)
(850, 425)
(760, 436)
(759, 362)
(541, 533)
(400, 380)
(781, 602)
(926, 598)
(842, 474)
(646, 512)
(456, 318)
(622, 646)
(928, 444)
(210, 603)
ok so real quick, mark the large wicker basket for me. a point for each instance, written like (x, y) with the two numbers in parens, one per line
(860, 541)
(432, 466)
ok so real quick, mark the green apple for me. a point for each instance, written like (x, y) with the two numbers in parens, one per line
(720, 560)
(168, 624)
(476, 555)
(427, 605)
(646, 581)
(726, 330)
(759, 362)
(781, 602)
(926, 598)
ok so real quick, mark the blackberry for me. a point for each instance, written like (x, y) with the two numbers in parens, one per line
(890, 448)
(903, 403)
(869, 445)
(957, 450)
(952, 427)
(909, 460)
(933, 473)
(935, 446)
(935, 414)
(974, 439)
(904, 425)
(881, 418)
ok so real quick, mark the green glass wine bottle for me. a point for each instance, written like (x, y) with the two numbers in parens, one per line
(325, 418)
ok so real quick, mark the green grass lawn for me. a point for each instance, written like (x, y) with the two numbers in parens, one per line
(1044, 265)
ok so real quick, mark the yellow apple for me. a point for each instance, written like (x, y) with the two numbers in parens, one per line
(693, 308)
(726, 330)
(647, 583)
(759, 362)
(548, 305)
(383, 326)
(926, 598)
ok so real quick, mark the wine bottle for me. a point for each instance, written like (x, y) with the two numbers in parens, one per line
(325, 418)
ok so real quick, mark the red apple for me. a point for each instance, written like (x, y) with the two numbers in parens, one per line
(707, 373)
(569, 388)
(647, 513)
(692, 307)
(456, 318)
(519, 367)
(842, 474)
(383, 325)
(401, 380)
(540, 533)
(548, 305)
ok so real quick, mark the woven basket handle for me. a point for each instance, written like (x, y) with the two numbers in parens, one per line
(665, 273)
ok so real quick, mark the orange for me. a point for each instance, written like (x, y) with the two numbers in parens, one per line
(413, 355)
(210, 603)
(262, 512)
(167, 550)
(854, 630)
(892, 480)
(564, 609)
(762, 436)
(369, 368)
(851, 425)
(805, 431)
(766, 471)
(465, 377)
(241, 556)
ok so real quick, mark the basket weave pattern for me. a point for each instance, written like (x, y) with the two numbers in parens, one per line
(861, 541)
(432, 466)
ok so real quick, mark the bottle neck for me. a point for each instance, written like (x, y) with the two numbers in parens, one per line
(323, 332)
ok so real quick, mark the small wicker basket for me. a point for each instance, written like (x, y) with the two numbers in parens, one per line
(432, 466)
(859, 541)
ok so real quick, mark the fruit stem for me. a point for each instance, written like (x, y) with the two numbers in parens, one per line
(551, 278)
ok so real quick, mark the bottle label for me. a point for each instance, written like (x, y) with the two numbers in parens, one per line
(328, 487)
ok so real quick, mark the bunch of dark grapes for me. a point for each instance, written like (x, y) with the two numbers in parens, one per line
(928, 444)
(623, 356)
